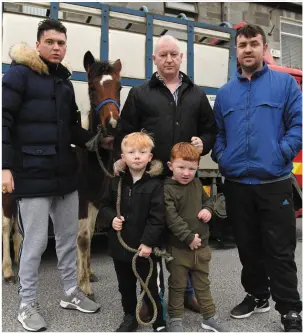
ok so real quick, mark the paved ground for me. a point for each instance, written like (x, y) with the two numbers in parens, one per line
(226, 289)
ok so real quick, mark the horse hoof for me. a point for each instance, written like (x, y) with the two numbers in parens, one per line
(92, 297)
(10, 280)
(93, 278)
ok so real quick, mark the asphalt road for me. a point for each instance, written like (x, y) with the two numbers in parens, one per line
(225, 285)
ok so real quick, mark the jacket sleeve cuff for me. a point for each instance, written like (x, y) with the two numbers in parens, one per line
(189, 239)
(210, 209)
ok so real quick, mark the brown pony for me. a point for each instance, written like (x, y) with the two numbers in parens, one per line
(104, 93)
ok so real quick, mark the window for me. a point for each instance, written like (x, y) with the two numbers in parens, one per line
(291, 42)
(190, 9)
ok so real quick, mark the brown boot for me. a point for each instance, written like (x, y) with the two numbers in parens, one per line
(191, 303)
(144, 315)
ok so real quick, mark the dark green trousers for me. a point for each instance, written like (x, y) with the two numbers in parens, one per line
(197, 262)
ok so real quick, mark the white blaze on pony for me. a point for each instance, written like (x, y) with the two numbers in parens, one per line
(105, 78)
(113, 122)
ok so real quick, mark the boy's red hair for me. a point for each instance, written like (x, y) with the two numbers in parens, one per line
(185, 151)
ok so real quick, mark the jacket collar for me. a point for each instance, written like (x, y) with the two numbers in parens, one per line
(256, 73)
(57, 70)
(154, 81)
(153, 169)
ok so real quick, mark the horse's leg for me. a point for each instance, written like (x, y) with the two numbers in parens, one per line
(17, 240)
(92, 215)
(8, 274)
(83, 242)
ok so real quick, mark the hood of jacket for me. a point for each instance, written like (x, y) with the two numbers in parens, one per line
(154, 169)
(25, 55)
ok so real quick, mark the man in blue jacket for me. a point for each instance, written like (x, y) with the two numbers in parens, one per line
(259, 119)
(39, 123)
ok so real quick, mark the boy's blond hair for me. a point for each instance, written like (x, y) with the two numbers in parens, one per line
(138, 140)
(185, 151)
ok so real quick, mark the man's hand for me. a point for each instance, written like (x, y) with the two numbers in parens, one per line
(198, 143)
(119, 166)
(204, 215)
(117, 223)
(7, 181)
(145, 251)
(196, 243)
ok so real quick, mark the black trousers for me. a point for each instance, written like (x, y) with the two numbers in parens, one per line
(128, 287)
(264, 225)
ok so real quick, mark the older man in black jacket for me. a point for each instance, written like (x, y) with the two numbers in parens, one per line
(39, 124)
(173, 109)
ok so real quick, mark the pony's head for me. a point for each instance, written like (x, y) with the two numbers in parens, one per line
(104, 92)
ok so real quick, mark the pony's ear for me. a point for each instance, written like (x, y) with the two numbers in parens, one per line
(88, 60)
(117, 66)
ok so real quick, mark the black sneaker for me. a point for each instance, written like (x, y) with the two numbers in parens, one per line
(249, 306)
(129, 324)
(291, 322)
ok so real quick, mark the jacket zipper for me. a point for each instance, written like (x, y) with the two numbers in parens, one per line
(58, 134)
(247, 125)
(129, 200)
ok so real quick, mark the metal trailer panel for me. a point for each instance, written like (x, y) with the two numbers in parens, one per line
(210, 65)
(80, 39)
(22, 29)
(129, 47)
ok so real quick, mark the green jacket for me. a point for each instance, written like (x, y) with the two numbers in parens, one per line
(183, 203)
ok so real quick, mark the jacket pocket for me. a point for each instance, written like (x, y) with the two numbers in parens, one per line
(39, 157)
(275, 105)
(278, 158)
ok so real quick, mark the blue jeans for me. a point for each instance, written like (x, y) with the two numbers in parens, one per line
(189, 291)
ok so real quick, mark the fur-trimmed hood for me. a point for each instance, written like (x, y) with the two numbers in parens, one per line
(23, 54)
(154, 168)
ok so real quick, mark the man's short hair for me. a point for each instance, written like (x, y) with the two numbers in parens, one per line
(139, 140)
(185, 151)
(250, 31)
(50, 24)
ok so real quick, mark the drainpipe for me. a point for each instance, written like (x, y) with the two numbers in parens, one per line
(222, 11)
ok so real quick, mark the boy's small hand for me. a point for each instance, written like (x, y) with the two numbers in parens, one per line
(145, 251)
(117, 223)
(196, 243)
(204, 215)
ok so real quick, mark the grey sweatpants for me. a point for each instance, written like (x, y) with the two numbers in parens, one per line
(33, 224)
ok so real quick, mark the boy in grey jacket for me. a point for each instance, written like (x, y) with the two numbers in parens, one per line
(188, 209)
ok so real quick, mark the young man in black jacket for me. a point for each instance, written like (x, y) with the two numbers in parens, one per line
(141, 223)
(174, 109)
(39, 124)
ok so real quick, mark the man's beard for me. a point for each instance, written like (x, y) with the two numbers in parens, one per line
(251, 68)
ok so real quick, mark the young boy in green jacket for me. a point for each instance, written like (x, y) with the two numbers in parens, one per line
(188, 209)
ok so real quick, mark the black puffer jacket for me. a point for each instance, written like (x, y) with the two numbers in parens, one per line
(151, 106)
(39, 123)
(142, 206)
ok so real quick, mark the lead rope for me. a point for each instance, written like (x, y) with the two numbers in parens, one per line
(93, 145)
(157, 252)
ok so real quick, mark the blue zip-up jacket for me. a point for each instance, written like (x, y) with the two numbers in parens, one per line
(259, 127)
